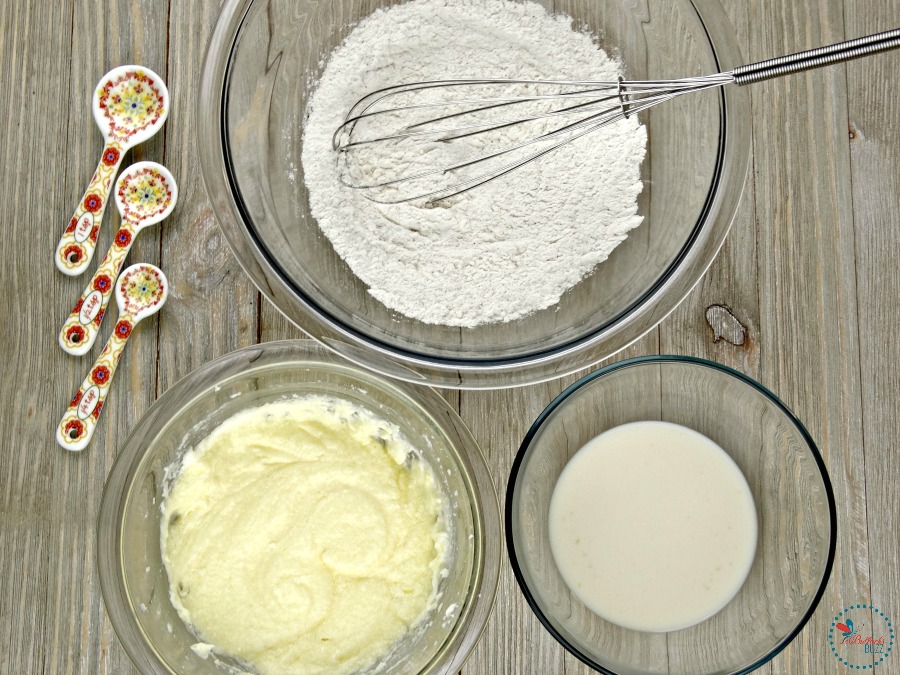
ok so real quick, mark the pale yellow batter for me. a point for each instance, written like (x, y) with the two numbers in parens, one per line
(303, 536)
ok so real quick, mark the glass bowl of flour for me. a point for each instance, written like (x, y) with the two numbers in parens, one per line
(550, 269)
(289, 583)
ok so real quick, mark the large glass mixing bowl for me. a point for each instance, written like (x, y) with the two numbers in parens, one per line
(263, 61)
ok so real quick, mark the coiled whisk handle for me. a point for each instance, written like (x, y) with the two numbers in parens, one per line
(816, 58)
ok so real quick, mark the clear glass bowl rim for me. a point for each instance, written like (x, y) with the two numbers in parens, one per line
(485, 579)
(483, 373)
(636, 362)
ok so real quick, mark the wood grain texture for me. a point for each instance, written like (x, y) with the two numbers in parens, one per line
(874, 121)
(59, 623)
(77, 615)
(731, 281)
(28, 539)
(807, 283)
(214, 309)
(808, 272)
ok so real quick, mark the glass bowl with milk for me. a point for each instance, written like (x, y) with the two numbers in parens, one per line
(669, 514)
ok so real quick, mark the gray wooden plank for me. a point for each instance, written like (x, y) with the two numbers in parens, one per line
(874, 151)
(719, 320)
(104, 35)
(213, 306)
(30, 312)
(53, 617)
(807, 288)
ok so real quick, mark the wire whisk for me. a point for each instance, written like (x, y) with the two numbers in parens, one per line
(430, 141)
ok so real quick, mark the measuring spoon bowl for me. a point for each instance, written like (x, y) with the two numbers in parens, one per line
(141, 291)
(130, 104)
(145, 194)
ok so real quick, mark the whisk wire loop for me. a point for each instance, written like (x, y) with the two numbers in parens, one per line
(446, 120)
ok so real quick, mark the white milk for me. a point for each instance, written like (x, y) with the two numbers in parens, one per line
(653, 526)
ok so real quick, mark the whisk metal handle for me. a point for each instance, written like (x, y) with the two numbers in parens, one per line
(816, 58)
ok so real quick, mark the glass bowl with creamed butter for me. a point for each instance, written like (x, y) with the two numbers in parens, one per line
(280, 510)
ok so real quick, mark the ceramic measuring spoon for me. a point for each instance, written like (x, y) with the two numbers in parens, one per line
(131, 103)
(145, 194)
(140, 292)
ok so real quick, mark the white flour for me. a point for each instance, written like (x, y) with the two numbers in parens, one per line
(508, 248)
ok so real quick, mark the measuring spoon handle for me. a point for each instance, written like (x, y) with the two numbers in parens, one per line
(76, 247)
(80, 330)
(80, 419)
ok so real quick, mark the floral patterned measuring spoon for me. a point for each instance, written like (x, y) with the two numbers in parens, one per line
(141, 291)
(131, 104)
(145, 194)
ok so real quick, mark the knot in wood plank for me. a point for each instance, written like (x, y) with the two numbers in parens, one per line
(725, 325)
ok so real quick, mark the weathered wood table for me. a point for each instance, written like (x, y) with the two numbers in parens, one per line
(805, 297)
